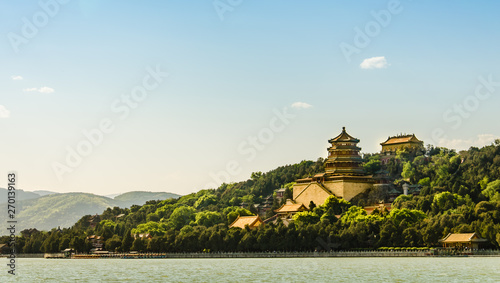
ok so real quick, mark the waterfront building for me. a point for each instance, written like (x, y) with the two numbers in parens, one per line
(463, 241)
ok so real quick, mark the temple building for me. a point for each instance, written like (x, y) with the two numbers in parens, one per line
(242, 221)
(463, 241)
(289, 209)
(344, 176)
(400, 142)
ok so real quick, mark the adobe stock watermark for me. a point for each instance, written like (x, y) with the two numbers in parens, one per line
(250, 147)
(13, 181)
(122, 107)
(223, 6)
(363, 37)
(40, 19)
(455, 115)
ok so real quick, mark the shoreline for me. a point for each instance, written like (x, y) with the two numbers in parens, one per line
(337, 254)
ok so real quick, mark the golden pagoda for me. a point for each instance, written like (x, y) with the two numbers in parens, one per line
(343, 156)
(344, 176)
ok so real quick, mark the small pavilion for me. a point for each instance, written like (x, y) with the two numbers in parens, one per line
(462, 241)
(289, 208)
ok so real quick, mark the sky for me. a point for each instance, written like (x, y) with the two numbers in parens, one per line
(107, 97)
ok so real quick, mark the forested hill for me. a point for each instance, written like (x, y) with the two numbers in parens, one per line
(261, 184)
(460, 193)
(20, 195)
(64, 209)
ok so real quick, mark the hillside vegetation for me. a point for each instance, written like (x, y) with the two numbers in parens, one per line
(64, 209)
(140, 197)
(460, 193)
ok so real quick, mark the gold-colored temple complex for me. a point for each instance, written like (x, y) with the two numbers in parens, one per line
(401, 142)
(344, 176)
(393, 144)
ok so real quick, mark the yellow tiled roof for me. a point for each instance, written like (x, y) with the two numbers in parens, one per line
(291, 207)
(401, 139)
(460, 237)
(344, 136)
(242, 221)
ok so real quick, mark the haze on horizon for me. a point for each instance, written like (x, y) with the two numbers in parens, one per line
(117, 96)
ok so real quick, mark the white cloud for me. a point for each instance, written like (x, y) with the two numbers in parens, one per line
(16, 78)
(46, 89)
(374, 63)
(4, 113)
(463, 144)
(301, 105)
(43, 89)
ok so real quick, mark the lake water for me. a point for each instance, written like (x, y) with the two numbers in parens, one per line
(425, 269)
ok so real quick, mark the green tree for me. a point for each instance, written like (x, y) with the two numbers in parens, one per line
(354, 214)
(205, 200)
(410, 216)
(208, 218)
(138, 245)
(445, 201)
(306, 217)
(113, 243)
(78, 244)
(155, 244)
(51, 243)
(338, 205)
(491, 189)
(127, 241)
(153, 228)
(372, 166)
(153, 217)
(412, 237)
(408, 172)
(182, 216)
(64, 243)
(426, 182)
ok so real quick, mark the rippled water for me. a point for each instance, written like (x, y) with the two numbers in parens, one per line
(426, 269)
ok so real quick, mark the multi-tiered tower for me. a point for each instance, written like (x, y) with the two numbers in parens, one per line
(344, 175)
(343, 156)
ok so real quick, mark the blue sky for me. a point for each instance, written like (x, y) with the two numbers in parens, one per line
(424, 67)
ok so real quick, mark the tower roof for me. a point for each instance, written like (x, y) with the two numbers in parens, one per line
(344, 137)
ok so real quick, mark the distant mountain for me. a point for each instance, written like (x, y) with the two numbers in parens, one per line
(112, 195)
(64, 209)
(20, 195)
(51, 211)
(44, 193)
(140, 197)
